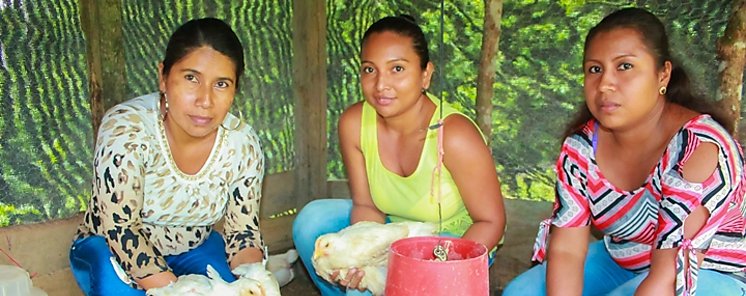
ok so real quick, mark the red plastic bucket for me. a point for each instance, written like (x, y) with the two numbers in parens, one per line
(413, 270)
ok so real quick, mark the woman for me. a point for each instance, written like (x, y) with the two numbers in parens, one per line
(682, 230)
(389, 145)
(167, 167)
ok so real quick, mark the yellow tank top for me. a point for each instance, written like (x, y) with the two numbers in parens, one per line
(409, 198)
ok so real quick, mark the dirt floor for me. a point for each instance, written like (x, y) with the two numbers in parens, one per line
(512, 259)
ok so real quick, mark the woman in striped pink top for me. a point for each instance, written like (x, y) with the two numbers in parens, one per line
(651, 166)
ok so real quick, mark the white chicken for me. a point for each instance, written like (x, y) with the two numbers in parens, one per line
(192, 284)
(364, 245)
(253, 280)
(256, 271)
(210, 285)
(281, 266)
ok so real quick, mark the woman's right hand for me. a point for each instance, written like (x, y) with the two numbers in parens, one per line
(351, 280)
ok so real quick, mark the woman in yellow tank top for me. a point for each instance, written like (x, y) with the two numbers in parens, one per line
(389, 145)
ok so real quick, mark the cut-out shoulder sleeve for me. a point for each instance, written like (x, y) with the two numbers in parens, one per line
(571, 207)
(118, 183)
(241, 227)
(680, 197)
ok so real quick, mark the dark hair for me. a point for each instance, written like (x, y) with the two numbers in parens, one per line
(653, 34)
(404, 25)
(204, 32)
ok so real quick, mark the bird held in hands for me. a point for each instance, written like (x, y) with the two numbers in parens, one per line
(364, 246)
(255, 271)
(210, 285)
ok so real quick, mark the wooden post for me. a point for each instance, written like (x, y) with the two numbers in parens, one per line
(102, 26)
(493, 10)
(731, 52)
(309, 89)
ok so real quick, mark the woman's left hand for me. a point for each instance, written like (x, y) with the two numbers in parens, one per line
(247, 255)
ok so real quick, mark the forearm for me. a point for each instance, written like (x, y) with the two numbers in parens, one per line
(651, 286)
(488, 233)
(661, 279)
(135, 253)
(157, 280)
(566, 260)
(247, 255)
(564, 274)
(366, 213)
(241, 230)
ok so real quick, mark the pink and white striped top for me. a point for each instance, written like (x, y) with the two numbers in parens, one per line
(652, 216)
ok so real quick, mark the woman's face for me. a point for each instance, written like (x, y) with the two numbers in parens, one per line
(200, 88)
(390, 73)
(621, 80)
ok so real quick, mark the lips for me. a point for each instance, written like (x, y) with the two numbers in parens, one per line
(384, 101)
(609, 107)
(200, 120)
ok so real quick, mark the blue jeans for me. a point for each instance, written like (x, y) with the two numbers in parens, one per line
(91, 262)
(317, 218)
(603, 276)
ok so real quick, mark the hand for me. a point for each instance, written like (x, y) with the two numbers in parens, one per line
(351, 280)
(157, 280)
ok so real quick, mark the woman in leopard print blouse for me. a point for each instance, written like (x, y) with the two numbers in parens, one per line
(167, 167)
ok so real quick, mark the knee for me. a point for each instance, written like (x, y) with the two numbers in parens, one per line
(91, 249)
(716, 283)
(321, 216)
(321, 209)
(596, 247)
(96, 271)
(531, 282)
(318, 218)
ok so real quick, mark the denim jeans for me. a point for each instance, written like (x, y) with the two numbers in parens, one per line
(317, 218)
(603, 276)
(92, 264)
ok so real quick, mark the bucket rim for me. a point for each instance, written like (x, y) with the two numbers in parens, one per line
(409, 240)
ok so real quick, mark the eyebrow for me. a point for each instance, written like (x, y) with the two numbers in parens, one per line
(626, 55)
(198, 72)
(389, 61)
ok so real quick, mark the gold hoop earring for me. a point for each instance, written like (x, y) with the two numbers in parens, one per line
(238, 125)
(162, 115)
(662, 90)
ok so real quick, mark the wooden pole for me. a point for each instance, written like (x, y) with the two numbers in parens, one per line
(493, 10)
(102, 25)
(731, 52)
(309, 89)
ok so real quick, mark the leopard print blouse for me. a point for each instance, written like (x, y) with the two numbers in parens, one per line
(146, 208)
